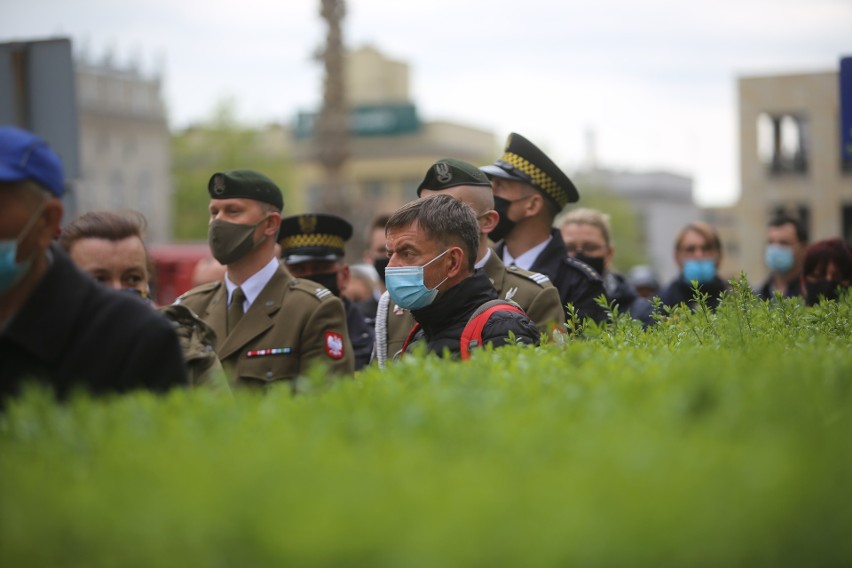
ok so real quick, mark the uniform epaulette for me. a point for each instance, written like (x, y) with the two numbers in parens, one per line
(537, 277)
(583, 267)
(202, 289)
(316, 290)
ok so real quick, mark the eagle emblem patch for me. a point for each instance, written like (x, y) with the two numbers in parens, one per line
(334, 344)
(442, 171)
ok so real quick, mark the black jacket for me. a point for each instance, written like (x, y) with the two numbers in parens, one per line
(577, 282)
(680, 291)
(794, 288)
(361, 333)
(627, 299)
(74, 333)
(443, 321)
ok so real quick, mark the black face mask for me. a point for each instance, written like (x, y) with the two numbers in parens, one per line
(504, 225)
(596, 262)
(827, 288)
(380, 264)
(327, 279)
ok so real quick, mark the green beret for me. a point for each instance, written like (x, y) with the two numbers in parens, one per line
(313, 236)
(449, 172)
(247, 184)
(523, 161)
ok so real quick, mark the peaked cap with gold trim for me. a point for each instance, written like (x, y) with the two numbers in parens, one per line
(313, 236)
(523, 161)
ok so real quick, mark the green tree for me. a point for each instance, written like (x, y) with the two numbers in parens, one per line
(222, 143)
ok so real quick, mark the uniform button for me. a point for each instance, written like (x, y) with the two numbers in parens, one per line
(268, 374)
(269, 303)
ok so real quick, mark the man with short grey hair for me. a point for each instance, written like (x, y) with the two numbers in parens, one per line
(432, 247)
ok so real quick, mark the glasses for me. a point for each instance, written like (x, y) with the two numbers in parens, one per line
(586, 248)
(692, 249)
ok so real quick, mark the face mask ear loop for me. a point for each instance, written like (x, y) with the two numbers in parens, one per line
(30, 224)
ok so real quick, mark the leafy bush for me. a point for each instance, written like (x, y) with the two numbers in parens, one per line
(714, 438)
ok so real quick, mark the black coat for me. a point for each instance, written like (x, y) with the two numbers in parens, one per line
(680, 291)
(625, 296)
(794, 289)
(361, 333)
(74, 333)
(443, 321)
(577, 282)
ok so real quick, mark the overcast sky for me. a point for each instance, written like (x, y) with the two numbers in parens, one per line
(655, 80)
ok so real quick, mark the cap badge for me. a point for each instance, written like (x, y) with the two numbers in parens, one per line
(308, 223)
(218, 184)
(443, 172)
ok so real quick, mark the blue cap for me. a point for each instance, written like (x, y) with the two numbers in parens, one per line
(25, 156)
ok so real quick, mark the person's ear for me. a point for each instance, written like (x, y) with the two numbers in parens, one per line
(534, 205)
(343, 277)
(51, 218)
(488, 221)
(610, 254)
(272, 224)
(457, 262)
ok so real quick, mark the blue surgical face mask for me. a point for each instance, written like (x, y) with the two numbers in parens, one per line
(406, 286)
(701, 270)
(12, 271)
(779, 258)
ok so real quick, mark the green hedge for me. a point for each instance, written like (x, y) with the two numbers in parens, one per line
(712, 439)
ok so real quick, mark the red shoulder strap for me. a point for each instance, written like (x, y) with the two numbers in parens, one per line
(411, 335)
(473, 330)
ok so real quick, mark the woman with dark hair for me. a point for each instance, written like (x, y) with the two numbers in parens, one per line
(109, 246)
(826, 270)
(698, 253)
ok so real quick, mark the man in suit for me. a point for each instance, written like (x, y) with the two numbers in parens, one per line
(270, 327)
(529, 191)
(57, 325)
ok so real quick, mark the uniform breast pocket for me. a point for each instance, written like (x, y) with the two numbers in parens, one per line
(266, 369)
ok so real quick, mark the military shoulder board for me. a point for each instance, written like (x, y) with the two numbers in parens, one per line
(538, 278)
(322, 292)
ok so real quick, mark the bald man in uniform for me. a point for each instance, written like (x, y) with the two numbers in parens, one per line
(270, 327)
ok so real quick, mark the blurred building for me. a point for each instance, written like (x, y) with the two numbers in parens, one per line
(390, 146)
(790, 160)
(125, 153)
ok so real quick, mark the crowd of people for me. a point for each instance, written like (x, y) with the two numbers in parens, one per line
(483, 256)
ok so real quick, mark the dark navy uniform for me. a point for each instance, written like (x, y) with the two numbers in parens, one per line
(577, 282)
(361, 333)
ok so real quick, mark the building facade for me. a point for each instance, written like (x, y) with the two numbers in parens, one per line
(790, 161)
(125, 153)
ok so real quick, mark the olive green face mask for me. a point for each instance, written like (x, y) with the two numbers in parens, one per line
(229, 242)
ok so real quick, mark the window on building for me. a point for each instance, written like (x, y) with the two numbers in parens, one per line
(783, 143)
(117, 190)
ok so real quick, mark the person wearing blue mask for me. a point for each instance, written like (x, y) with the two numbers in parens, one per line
(58, 327)
(698, 253)
(786, 243)
(432, 246)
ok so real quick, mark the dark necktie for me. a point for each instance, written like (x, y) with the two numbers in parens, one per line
(235, 310)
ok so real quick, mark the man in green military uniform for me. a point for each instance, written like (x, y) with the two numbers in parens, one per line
(312, 247)
(533, 292)
(270, 326)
